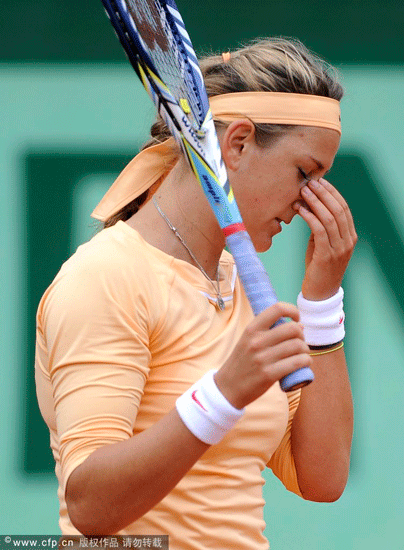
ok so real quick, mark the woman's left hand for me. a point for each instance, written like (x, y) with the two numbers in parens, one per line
(332, 240)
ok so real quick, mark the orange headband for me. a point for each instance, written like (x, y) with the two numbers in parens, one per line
(278, 108)
(153, 164)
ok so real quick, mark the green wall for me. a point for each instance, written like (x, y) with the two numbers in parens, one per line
(72, 114)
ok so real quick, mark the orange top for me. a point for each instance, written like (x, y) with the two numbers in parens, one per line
(122, 331)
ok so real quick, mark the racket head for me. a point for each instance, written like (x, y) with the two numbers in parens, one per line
(158, 46)
(164, 54)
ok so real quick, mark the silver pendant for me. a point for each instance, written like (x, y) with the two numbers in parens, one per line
(220, 303)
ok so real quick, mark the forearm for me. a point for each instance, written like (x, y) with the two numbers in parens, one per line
(322, 430)
(119, 483)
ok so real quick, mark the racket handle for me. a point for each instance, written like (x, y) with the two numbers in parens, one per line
(261, 295)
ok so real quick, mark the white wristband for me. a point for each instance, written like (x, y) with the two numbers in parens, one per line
(206, 412)
(323, 321)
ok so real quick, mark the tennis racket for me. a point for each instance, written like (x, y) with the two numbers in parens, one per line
(158, 46)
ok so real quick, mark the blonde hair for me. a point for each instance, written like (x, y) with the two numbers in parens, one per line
(264, 65)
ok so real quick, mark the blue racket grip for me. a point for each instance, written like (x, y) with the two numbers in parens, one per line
(261, 295)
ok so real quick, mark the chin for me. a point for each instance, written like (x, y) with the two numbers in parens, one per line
(263, 245)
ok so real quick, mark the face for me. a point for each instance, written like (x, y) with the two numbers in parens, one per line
(268, 180)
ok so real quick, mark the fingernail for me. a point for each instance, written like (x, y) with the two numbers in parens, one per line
(314, 184)
(305, 191)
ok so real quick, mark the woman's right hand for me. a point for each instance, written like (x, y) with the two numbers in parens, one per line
(263, 355)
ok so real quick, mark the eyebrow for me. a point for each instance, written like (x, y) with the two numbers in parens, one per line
(319, 164)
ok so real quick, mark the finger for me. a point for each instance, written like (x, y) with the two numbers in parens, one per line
(273, 314)
(335, 204)
(342, 214)
(288, 365)
(328, 211)
(284, 332)
(333, 191)
(284, 349)
(262, 342)
(319, 232)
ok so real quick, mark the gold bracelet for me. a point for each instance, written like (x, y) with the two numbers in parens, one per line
(341, 345)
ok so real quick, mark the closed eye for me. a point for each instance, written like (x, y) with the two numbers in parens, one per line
(305, 177)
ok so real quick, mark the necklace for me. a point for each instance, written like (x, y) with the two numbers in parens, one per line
(220, 301)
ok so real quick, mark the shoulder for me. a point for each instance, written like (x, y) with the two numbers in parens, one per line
(115, 270)
(115, 254)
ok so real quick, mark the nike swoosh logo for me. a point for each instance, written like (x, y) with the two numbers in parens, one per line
(197, 400)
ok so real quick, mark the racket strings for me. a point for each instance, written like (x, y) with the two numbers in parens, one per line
(162, 40)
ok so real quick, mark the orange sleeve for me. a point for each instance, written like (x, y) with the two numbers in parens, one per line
(282, 462)
(96, 325)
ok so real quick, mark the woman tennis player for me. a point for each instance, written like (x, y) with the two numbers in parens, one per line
(159, 387)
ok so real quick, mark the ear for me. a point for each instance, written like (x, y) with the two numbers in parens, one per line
(236, 141)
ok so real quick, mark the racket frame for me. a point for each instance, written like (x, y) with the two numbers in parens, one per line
(198, 139)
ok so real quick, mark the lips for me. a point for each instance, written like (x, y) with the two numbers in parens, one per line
(279, 222)
(287, 220)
